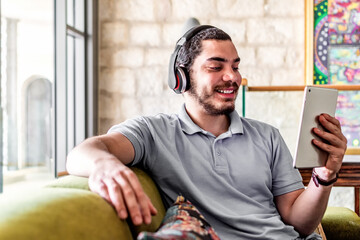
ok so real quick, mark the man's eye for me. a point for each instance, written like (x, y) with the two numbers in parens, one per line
(215, 68)
(236, 68)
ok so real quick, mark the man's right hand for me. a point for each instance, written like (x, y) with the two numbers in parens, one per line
(120, 186)
(103, 159)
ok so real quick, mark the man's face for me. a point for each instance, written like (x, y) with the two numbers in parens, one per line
(214, 77)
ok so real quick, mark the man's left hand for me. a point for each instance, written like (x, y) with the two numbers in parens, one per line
(335, 144)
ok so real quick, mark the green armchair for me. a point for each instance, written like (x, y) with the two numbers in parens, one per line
(66, 209)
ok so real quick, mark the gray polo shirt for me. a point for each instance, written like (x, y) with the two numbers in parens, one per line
(232, 179)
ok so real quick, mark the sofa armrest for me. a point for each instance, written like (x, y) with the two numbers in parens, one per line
(59, 213)
(341, 223)
(151, 190)
(66, 209)
(147, 183)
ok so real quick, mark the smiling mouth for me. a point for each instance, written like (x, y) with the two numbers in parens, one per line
(225, 91)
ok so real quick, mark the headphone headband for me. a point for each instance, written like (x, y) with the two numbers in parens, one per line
(178, 78)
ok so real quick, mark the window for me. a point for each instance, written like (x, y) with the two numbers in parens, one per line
(48, 93)
(27, 77)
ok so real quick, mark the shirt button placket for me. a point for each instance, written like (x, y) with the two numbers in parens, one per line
(219, 161)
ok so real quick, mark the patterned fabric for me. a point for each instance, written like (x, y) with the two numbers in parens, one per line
(182, 221)
(313, 236)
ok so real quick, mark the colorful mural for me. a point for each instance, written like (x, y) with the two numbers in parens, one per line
(337, 58)
(348, 112)
(344, 65)
(344, 21)
(321, 42)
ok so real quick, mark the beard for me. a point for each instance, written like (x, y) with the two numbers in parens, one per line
(204, 99)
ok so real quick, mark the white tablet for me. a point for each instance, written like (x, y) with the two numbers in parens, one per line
(317, 100)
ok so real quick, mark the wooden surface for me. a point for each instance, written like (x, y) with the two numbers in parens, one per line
(349, 176)
(64, 173)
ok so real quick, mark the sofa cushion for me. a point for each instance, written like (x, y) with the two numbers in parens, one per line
(70, 181)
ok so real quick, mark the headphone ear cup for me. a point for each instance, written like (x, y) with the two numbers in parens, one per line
(183, 80)
(178, 78)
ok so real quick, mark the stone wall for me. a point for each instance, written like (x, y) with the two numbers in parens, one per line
(137, 38)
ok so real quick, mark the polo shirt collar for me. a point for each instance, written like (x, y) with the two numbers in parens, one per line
(188, 126)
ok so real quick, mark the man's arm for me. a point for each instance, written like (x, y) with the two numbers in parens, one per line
(103, 159)
(304, 209)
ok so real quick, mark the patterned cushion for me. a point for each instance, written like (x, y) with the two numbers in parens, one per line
(182, 221)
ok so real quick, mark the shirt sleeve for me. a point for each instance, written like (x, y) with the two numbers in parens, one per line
(138, 133)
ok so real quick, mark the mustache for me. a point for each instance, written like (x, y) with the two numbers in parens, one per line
(233, 85)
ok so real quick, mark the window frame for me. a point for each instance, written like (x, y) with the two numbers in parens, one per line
(84, 99)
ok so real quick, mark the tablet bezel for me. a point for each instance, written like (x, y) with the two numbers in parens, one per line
(317, 100)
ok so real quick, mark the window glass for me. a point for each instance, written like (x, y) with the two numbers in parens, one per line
(70, 12)
(80, 87)
(40, 121)
(79, 15)
(27, 79)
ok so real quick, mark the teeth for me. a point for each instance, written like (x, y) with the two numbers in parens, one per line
(226, 91)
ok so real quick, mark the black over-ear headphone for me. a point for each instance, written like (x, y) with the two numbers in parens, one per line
(179, 79)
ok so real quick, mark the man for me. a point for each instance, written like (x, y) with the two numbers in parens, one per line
(238, 172)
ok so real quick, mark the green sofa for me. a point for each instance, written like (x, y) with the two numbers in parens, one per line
(66, 209)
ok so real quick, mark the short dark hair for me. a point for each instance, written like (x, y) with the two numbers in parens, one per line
(192, 48)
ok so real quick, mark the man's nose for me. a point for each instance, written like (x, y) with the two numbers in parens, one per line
(232, 75)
